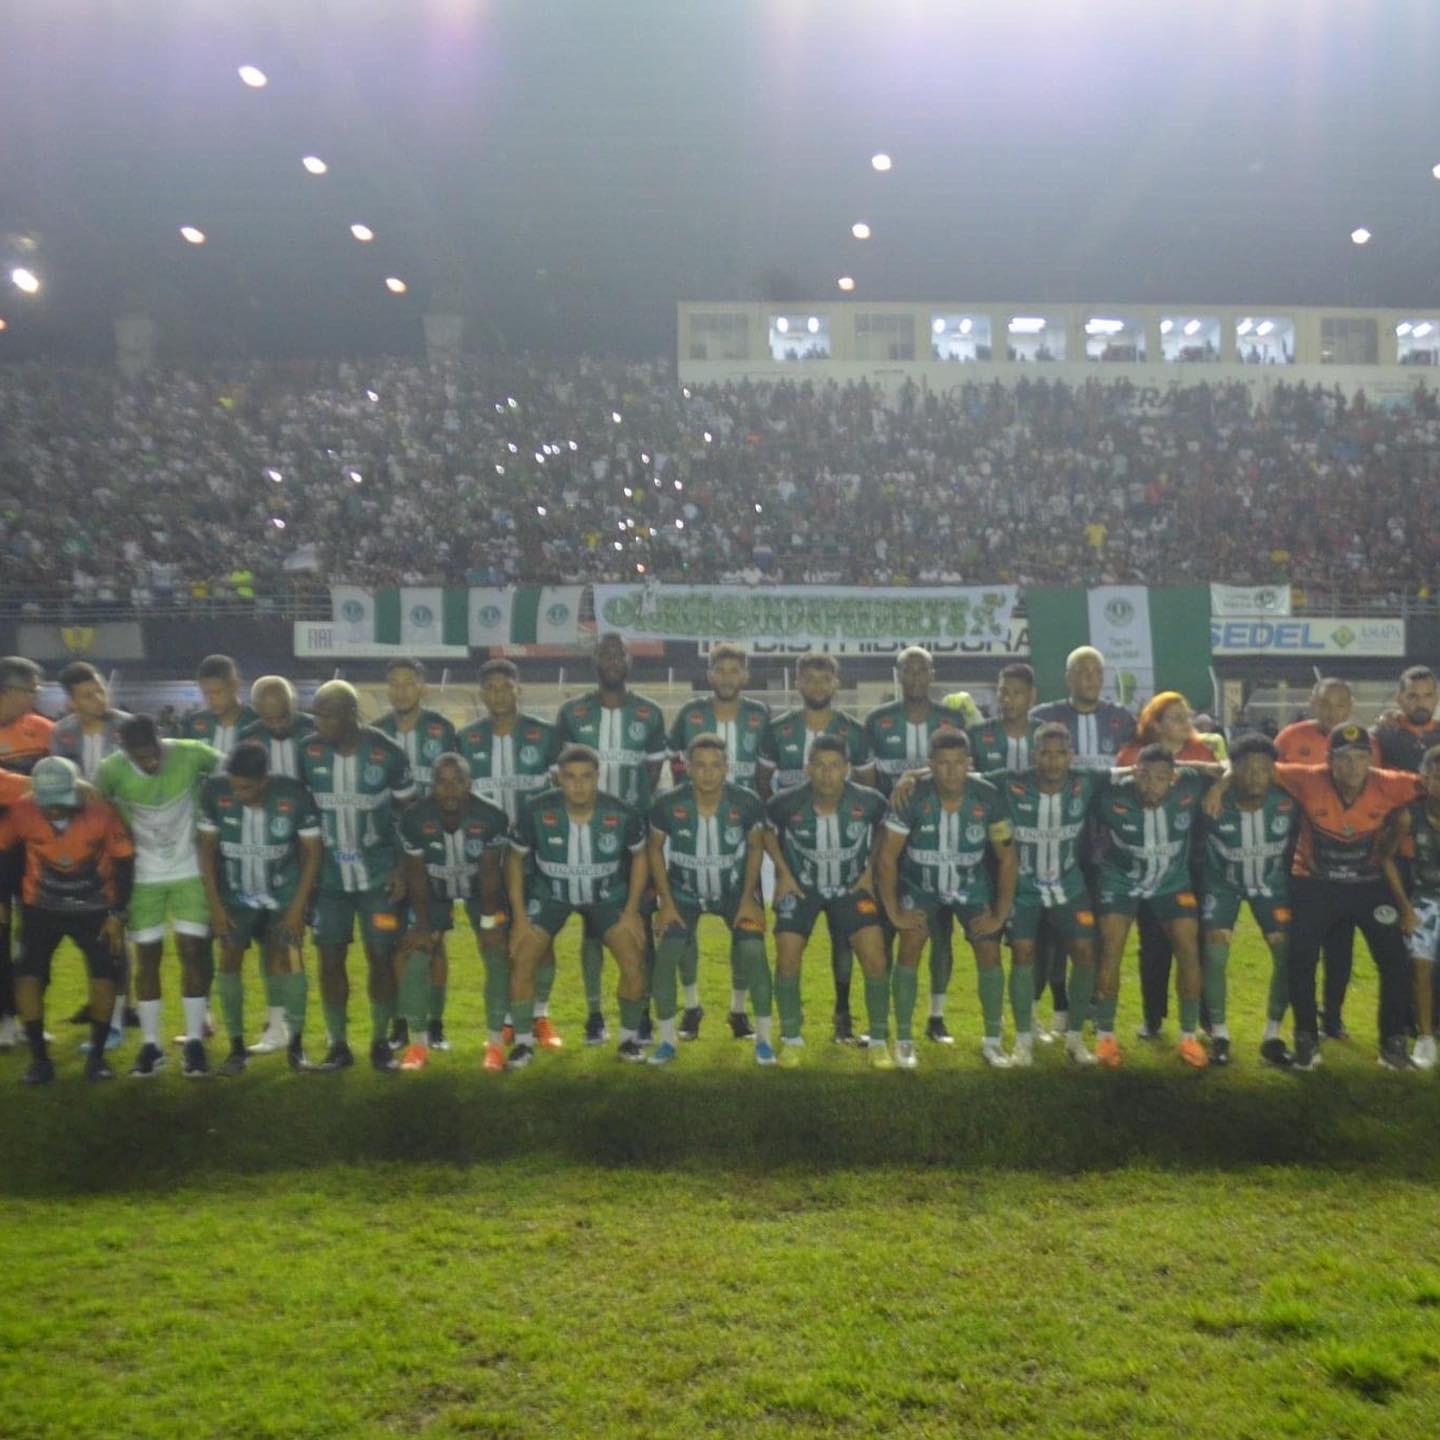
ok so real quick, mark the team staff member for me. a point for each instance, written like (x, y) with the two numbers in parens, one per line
(1336, 875)
(1166, 720)
(1307, 742)
(78, 869)
(24, 739)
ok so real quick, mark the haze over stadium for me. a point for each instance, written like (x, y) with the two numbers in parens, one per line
(656, 475)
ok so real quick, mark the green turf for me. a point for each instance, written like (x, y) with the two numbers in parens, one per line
(589, 1248)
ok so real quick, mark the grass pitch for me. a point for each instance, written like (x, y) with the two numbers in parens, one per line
(592, 1249)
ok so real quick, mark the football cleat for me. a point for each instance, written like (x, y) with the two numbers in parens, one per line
(844, 1028)
(234, 1062)
(113, 1041)
(690, 1022)
(295, 1055)
(1076, 1050)
(792, 1052)
(435, 1036)
(520, 1057)
(272, 1039)
(936, 1030)
(1274, 1051)
(1395, 1054)
(992, 1052)
(494, 1060)
(905, 1056)
(1307, 1052)
(399, 1033)
(150, 1060)
(41, 1072)
(740, 1026)
(416, 1056)
(1023, 1055)
(1423, 1055)
(1193, 1053)
(338, 1057)
(595, 1031)
(764, 1053)
(547, 1037)
(194, 1062)
(1220, 1050)
(631, 1050)
(665, 1052)
(878, 1053)
(1107, 1052)
(382, 1057)
(97, 1072)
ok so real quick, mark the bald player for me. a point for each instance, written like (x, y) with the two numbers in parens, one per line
(361, 780)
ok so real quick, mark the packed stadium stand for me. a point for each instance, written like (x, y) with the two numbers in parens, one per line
(262, 480)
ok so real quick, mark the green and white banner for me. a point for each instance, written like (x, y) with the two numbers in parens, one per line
(806, 614)
(1227, 600)
(1152, 638)
(431, 621)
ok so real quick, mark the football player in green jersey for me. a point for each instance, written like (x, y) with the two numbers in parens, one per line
(784, 757)
(627, 732)
(155, 784)
(512, 755)
(360, 780)
(707, 839)
(825, 832)
(934, 856)
(1006, 742)
(454, 843)
(280, 728)
(1246, 860)
(574, 849)
(424, 735)
(741, 724)
(1149, 820)
(1419, 904)
(1050, 805)
(224, 717)
(260, 857)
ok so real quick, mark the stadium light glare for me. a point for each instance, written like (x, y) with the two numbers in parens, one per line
(965, 325)
(1403, 328)
(540, 510)
(1360, 236)
(639, 568)
(253, 76)
(679, 484)
(1422, 330)
(499, 469)
(512, 447)
(860, 230)
(938, 325)
(679, 524)
(615, 416)
(1192, 327)
(1027, 324)
(1166, 326)
(813, 325)
(539, 457)
(4, 324)
(574, 446)
(25, 280)
(1245, 326)
(354, 476)
(314, 165)
(619, 544)
(191, 233)
(1435, 171)
(627, 492)
(363, 233)
(372, 397)
(708, 438)
(783, 325)
(1101, 326)
(395, 285)
(758, 509)
(512, 402)
(277, 522)
(685, 392)
(845, 282)
(274, 475)
(1264, 327)
(880, 162)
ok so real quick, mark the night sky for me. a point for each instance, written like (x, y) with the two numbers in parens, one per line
(567, 171)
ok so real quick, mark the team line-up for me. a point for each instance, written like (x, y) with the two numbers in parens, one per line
(1051, 827)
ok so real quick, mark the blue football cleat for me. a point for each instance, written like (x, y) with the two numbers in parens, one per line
(764, 1053)
(665, 1052)
(113, 1041)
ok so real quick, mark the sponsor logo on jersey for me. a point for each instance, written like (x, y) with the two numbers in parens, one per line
(733, 835)
(1182, 823)
(474, 847)
(1386, 914)
(529, 755)
(636, 729)
(280, 827)
(974, 833)
(607, 844)
(374, 774)
(1279, 825)
(855, 831)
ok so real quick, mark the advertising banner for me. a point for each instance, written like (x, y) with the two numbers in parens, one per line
(1338, 635)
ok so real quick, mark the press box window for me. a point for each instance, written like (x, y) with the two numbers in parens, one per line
(799, 337)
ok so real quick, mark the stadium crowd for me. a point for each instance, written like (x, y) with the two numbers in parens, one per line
(1052, 828)
(247, 480)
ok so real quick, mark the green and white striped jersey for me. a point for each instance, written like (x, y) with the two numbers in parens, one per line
(992, 749)
(627, 738)
(786, 746)
(160, 809)
(206, 725)
(705, 854)
(898, 743)
(1149, 853)
(504, 769)
(577, 862)
(356, 795)
(452, 857)
(284, 749)
(946, 844)
(260, 853)
(1048, 830)
(431, 737)
(827, 852)
(742, 735)
(1248, 851)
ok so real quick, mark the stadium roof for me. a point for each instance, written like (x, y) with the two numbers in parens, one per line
(566, 170)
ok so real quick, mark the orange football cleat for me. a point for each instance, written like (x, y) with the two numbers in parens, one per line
(546, 1035)
(416, 1057)
(1192, 1052)
(1107, 1052)
(494, 1058)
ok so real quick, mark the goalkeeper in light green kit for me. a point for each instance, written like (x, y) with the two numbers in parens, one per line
(707, 838)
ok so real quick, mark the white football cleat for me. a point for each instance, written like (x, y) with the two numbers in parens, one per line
(1077, 1051)
(1423, 1055)
(273, 1038)
(905, 1056)
(1023, 1055)
(992, 1052)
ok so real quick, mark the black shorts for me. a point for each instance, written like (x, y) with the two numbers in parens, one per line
(41, 932)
